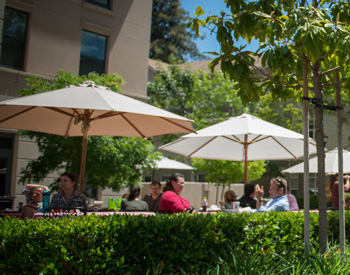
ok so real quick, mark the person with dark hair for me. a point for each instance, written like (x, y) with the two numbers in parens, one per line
(153, 198)
(247, 200)
(133, 202)
(278, 201)
(67, 196)
(293, 204)
(335, 190)
(171, 201)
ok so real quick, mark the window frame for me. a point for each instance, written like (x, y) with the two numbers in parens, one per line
(24, 41)
(96, 3)
(105, 53)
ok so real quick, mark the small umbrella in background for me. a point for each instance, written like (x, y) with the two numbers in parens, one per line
(89, 110)
(166, 163)
(243, 138)
(331, 164)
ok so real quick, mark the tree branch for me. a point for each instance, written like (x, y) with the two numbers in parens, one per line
(331, 70)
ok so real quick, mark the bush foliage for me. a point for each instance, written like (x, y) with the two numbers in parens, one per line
(184, 243)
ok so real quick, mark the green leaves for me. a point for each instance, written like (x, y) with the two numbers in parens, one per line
(173, 244)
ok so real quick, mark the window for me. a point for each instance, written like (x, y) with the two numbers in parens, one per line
(93, 53)
(6, 151)
(14, 38)
(101, 3)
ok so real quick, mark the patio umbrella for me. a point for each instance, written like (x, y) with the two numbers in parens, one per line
(331, 164)
(243, 138)
(89, 110)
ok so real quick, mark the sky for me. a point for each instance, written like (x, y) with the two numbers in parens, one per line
(209, 44)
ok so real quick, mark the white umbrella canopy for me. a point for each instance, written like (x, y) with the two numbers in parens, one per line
(243, 138)
(166, 163)
(331, 164)
(88, 109)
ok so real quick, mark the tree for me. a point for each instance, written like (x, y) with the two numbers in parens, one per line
(226, 172)
(209, 99)
(111, 162)
(169, 34)
(301, 44)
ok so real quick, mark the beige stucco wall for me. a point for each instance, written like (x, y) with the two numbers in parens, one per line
(54, 37)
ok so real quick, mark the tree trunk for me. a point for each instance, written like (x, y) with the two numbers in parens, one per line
(321, 181)
(306, 158)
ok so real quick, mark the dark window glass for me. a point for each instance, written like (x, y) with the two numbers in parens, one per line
(14, 38)
(6, 152)
(102, 3)
(93, 53)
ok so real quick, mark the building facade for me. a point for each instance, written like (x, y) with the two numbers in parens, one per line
(40, 37)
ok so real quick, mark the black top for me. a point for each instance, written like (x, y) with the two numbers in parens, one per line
(246, 201)
(153, 205)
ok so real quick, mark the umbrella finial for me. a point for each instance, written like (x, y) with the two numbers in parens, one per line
(89, 83)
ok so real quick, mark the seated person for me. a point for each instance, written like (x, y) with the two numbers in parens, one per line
(35, 201)
(278, 201)
(133, 202)
(247, 200)
(67, 196)
(153, 199)
(171, 201)
(230, 197)
(293, 204)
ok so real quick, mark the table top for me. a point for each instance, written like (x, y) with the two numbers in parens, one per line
(106, 213)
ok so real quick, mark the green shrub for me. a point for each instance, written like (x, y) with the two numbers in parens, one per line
(184, 243)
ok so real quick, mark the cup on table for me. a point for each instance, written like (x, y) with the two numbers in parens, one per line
(235, 206)
(90, 204)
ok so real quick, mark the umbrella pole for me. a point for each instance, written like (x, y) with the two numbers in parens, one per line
(245, 159)
(83, 162)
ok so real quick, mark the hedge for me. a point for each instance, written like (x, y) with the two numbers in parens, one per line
(137, 244)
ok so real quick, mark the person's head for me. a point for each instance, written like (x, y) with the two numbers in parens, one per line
(230, 196)
(134, 192)
(249, 190)
(37, 195)
(155, 188)
(175, 183)
(67, 181)
(278, 187)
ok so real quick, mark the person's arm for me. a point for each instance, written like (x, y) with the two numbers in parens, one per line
(175, 203)
(258, 193)
(33, 186)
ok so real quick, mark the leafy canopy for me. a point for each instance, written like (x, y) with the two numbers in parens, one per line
(169, 34)
(111, 162)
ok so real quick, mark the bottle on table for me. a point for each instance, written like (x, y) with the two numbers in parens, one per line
(46, 199)
(20, 207)
(204, 204)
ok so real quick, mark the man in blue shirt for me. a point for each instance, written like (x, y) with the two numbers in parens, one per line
(278, 201)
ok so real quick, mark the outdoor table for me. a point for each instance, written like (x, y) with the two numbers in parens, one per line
(97, 213)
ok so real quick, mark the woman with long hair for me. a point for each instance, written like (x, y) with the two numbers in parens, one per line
(67, 195)
(133, 202)
(171, 201)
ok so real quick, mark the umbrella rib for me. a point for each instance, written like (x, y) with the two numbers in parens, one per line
(137, 130)
(183, 127)
(195, 151)
(284, 147)
(17, 114)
